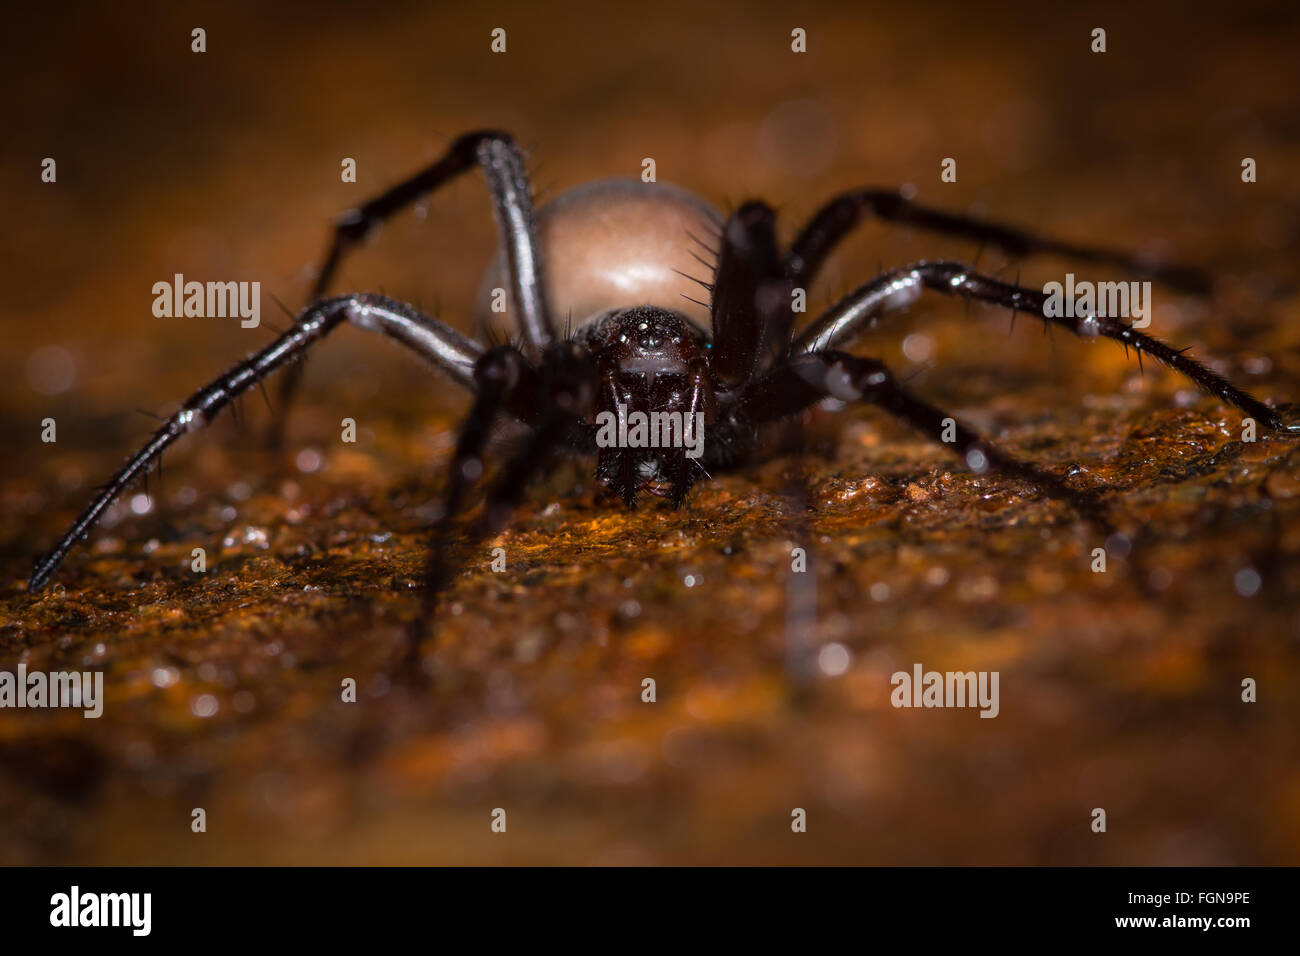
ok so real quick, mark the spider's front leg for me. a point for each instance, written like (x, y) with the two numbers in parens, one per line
(859, 310)
(554, 399)
(753, 319)
(444, 347)
(747, 293)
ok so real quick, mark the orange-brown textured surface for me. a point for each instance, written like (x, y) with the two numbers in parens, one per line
(225, 166)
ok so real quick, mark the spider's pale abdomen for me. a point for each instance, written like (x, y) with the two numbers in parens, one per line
(616, 243)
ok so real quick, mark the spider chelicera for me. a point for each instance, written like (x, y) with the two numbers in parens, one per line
(617, 255)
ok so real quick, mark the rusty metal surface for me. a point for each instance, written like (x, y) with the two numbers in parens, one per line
(1120, 690)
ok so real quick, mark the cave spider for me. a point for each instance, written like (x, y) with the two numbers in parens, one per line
(615, 256)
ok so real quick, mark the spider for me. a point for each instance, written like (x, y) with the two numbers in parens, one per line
(616, 254)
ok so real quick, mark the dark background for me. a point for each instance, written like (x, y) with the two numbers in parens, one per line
(225, 165)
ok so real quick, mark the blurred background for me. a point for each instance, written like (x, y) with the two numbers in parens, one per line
(1119, 691)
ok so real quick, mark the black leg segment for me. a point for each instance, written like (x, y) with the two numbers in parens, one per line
(442, 346)
(899, 288)
(834, 220)
(503, 166)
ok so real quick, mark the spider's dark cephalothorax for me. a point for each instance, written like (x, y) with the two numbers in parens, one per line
(617, 257)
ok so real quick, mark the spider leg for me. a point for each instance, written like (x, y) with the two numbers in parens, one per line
(444, 347)
(504, 380)
(753, 319)
(554, 399)
(810, 377)
(748, 285)
(503, 166)
(858, 311)
(834, 220)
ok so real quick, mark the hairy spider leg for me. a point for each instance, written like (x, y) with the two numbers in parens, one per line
(554, 399)
(841, 214)
(858, 311)
(753, 314)
(444, 347)
(748, 273)
(502, 162)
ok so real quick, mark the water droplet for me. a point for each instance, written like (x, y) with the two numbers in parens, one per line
(51, 370)
(308, 460)
(1247, 582)
(918, 347)
(834, 659)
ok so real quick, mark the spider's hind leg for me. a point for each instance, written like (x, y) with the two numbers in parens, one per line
(834, 220)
